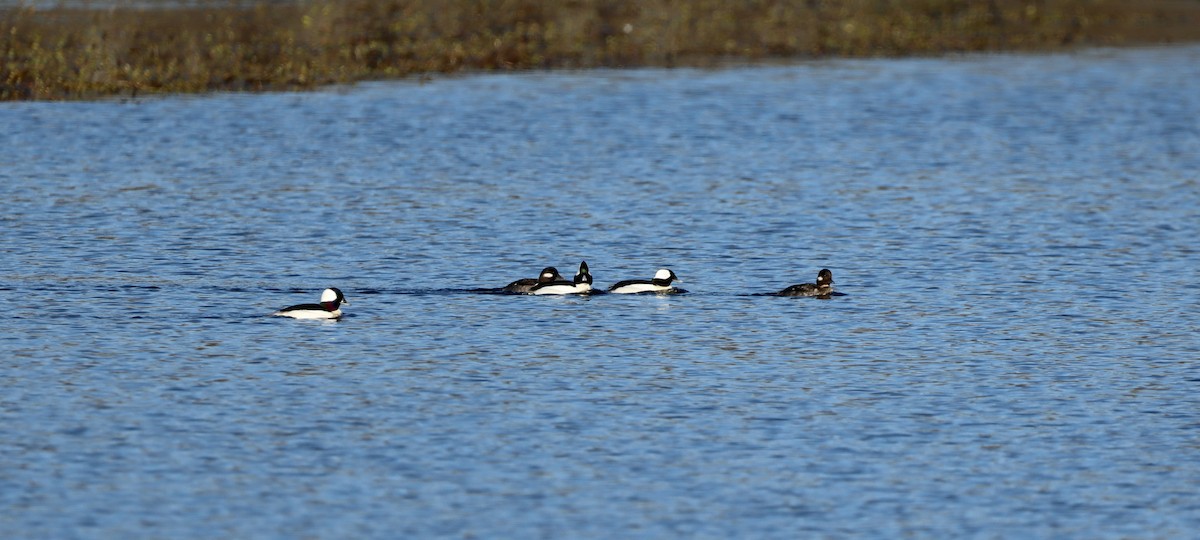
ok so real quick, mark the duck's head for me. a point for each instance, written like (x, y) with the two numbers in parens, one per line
(666, 275)
(332, 297)
(583, 276)
(549, 275)
(824, 278)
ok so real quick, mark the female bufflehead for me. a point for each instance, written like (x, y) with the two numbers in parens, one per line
(523, 286)
(329, 308)
(581, 284)
(661, 283)
(823, 286)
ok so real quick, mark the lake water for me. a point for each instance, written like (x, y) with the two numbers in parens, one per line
(1015, 354)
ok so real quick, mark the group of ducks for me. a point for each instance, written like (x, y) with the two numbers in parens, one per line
(549, 281)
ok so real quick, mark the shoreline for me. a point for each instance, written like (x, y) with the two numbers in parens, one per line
(81, 54)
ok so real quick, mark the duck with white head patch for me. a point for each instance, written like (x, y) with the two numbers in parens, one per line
(329, 308)
(660, 284)
(823, 288)
(524, 286)
(580, 285)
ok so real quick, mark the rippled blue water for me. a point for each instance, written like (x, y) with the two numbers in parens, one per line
(1015, 356)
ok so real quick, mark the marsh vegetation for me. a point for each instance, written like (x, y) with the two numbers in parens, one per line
(81, 52)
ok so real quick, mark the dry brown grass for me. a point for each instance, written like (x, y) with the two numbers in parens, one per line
(67, 53)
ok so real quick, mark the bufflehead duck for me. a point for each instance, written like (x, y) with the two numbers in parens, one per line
(823, 286)
(581, 284)
(523, 286)
(661, 283)
(329, 308)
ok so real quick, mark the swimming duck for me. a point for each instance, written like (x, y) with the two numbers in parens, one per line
(823, 286)
(329, 308)
(660, 283)
(524, 286)
(581, 284)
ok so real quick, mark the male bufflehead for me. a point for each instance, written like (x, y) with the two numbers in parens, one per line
(581, 284)
(661, 283)
(823, 286)
(523, 286)
(329, 308)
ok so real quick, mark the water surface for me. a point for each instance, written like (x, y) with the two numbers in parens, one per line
(1015, 355)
